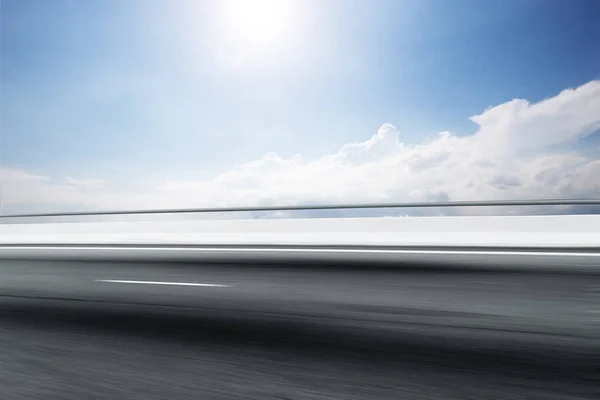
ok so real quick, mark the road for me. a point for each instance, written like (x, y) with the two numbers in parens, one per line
(74, 330)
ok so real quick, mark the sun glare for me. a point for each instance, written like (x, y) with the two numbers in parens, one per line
(257, 23)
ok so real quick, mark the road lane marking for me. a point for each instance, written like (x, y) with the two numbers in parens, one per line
(162, 283)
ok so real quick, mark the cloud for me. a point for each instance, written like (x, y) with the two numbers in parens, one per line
(519, 150)
(85, 183)
(520, 127)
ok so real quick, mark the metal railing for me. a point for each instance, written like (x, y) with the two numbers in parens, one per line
(439, 204)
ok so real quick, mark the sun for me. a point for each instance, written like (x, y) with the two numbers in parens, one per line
(257, 23)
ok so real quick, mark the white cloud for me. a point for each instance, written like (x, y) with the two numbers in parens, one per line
(520, 150)
(85, 183)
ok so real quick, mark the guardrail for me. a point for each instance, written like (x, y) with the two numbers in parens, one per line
(429, 204)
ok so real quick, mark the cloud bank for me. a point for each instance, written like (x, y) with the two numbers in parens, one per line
(519, 150)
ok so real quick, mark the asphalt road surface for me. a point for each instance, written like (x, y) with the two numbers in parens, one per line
(74, 330)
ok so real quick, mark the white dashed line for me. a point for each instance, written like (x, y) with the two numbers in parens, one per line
(163, 283)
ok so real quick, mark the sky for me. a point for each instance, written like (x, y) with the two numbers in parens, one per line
(147, 103)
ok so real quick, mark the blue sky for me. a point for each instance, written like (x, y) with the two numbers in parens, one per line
(151, 91)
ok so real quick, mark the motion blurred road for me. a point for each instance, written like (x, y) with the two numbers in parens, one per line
(79, 330)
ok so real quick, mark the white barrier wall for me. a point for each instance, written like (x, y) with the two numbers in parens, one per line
(576, 231)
